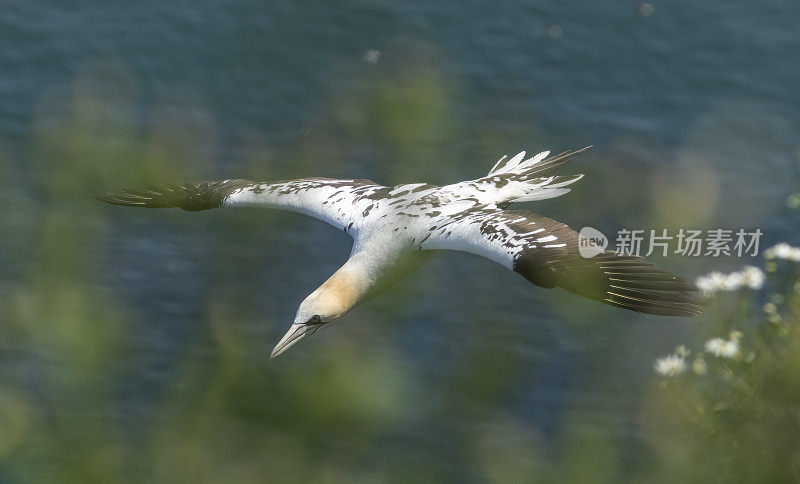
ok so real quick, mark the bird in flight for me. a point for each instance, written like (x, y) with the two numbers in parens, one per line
(396, 229)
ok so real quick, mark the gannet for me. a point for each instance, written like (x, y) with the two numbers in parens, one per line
(407, 225)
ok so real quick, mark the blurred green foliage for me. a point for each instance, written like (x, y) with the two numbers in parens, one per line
(70, 338)
(735, 417)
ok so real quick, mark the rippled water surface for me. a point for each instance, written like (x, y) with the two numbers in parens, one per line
(138, 341)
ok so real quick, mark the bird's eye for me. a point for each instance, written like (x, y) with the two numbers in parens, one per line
(315, 320)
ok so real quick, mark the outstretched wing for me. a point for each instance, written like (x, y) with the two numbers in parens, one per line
(341, 203)
(546, 253)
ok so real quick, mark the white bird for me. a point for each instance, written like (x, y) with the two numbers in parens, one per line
(406, 225)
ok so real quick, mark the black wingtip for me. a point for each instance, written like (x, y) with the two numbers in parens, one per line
(117, 200)
(188, 196)
(124, 199)
(626, 282)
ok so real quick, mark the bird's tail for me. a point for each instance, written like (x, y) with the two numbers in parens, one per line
(521, 179)
(523, 169)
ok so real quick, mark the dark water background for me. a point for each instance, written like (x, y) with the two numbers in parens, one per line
(135, 343)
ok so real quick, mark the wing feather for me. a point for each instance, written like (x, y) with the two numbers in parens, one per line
(341, 203)
(545, 252)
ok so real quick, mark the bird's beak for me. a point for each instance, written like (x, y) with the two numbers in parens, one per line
(297, 332)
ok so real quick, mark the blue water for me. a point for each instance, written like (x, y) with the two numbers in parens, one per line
(693, 108)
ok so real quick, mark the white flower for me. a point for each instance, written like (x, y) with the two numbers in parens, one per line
(783, 251)
(717, 346)
(713, 282)
(753, 277)
(720, 347)
(671, 365)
